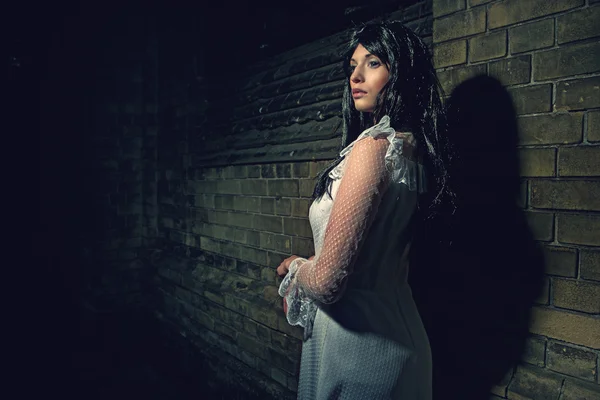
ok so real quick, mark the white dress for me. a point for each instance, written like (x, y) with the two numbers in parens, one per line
(363, 337)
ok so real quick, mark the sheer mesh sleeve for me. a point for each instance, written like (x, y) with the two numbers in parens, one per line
(359, 194)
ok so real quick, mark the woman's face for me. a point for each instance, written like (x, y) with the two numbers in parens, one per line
(369, 76)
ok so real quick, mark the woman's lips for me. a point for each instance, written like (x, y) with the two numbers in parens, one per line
(357, 94)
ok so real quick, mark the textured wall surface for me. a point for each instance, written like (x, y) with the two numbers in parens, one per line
(547, 55)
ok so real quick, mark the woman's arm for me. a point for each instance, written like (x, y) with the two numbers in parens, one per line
(357, 199)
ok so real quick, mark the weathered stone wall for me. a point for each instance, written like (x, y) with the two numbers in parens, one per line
(547, 54)
(237, 158)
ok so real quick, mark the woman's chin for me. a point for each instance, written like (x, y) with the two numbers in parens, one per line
(364, 109)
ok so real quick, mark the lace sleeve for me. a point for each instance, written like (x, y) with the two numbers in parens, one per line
(359, 194)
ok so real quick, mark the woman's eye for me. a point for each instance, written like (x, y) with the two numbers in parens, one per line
(374, 64)
(351, 68)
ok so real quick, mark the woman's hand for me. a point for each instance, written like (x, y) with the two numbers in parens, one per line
(282, 271)
(284, 267)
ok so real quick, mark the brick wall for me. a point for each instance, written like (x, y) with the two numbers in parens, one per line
(547, 55)
(237, 158)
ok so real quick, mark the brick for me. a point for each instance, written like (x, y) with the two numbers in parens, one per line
(279, 376)
(444, 7)
(535, 350)
(566, 326)
(532, 36)
(300, 207)
(228, 187)
(225, 330)
(450, 53)
(267, 317)
(551, 129)
(239, 236)
(283, 206)
(461, 24)
(240, 220)
(566, 195)
(240, 172)
(300, 170)
(208, 200)
(561, 261)
(267, 205)
(267, 171)
(541, 225)
(577, 390)
(487, 47)
(473, 3)
(578, 25)
(579, 229)
(572, 361)
(267, 223)
(268, 274)
(210, 245)
(306, 187)
(239, 203)
(317, 166)
(275, 242)
(544, 297)
(567, 60)
(276, 258)
(534, 383)
(510, 12)
(247, 359)
(512, 71)
(593, 126)
(252, 238)
(590, 265)
(579, 161)
(297, 227)
(253, 204)
(283, 187)
(253, 255)
(578, 94)
(249, 327)
(451, 78)
(263, 333)
(224, 202)
(205, 319)
(253, 171)
(302, 247)
(228, 172)
(256, 187)
(252, 346)
(283, 170)
(576, 295)
(532, 99)
(537, 162)
(282, 361)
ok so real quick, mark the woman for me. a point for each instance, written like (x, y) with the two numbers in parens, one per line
(363, 337)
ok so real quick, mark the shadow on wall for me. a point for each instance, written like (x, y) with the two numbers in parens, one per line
(477, 272)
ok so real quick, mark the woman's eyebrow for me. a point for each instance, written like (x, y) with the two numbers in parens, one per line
(368, 55)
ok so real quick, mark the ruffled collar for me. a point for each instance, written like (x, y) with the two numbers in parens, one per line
(381, 128)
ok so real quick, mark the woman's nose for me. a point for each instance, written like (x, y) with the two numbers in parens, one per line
(356, 76)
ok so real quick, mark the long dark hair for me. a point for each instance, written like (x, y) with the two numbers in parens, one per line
(411, 98)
